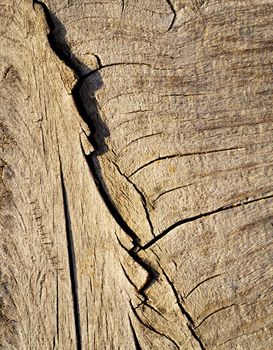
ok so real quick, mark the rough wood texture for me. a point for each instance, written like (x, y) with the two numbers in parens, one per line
(136, 175)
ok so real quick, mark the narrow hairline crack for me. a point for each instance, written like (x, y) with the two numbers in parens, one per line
(214, 312)
(200, 283)
(142, 197)
(151, 327)
(72, 266)
(181, 155)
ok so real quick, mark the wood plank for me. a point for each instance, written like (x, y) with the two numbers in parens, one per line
(136, 196)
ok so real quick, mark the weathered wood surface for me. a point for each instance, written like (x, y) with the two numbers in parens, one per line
(136, 175)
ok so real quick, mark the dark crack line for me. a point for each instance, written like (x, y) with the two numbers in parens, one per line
(72, 264)
(181, 307)
(152, 273)
(57, 307)
(215, 312)
(196, 337)
(70, 61)
(154, 309)
(87, 317)
(100, 65)
(142, 196)
(63, 52)
(122, 7)
(190, 322)
(174, 14)
(173, 189)
(137, 344)
(127, 276)
(60, 48)
(199, 216)
(180, 155)
(141, 137)
(109, 204)
(6, 72)
(146, 325)
(199, 284)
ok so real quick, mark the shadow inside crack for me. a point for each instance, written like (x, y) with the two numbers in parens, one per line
(89, 81)
(84, 97)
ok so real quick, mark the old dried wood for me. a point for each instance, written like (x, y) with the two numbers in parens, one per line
(136, 174)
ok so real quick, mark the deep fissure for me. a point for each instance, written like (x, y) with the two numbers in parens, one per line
(63, 52)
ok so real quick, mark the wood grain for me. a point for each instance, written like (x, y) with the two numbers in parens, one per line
(136, 175)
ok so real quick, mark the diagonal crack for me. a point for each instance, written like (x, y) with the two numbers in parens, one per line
(152, 273)
(214, 312)
(142, 197)
(62, 50)
(199, 216)
(190, 322)
(200, 283)
(147, 325)
(174, 14)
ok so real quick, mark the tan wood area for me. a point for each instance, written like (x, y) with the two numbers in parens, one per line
(136, 188)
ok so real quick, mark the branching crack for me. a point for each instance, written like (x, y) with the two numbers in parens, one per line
(190, 322)
(62, 50)
(152, 273)
(181, 307)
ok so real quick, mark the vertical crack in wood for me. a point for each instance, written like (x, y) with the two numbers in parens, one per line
(174, 14)
(57, 306)
(61, 49)
(137, 344)
(122, 7)
(72, 265)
